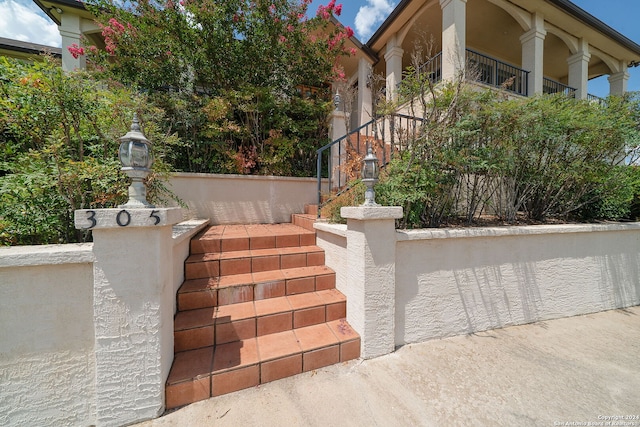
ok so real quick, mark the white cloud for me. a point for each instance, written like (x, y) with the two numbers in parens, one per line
(23, 20)
(371, 15)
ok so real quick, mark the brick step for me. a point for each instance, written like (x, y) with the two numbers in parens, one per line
(305, 221)
(215, 370)
(311, 210)
(219, 325)
(224, 238)
(225, 290)
(203, 265)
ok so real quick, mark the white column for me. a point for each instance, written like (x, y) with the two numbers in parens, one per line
(338, 151)
(393, 57)
(71, 31)
(371, 257)
(133, 310)
(533, 54)
(579, 70)
(365, 98)
(618, 82)
(454, 38)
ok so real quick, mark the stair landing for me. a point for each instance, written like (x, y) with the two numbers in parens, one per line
(257, 305)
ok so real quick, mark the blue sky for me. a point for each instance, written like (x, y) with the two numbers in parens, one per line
(23, 20)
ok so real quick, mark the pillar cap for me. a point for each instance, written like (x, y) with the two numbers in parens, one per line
(364, 213)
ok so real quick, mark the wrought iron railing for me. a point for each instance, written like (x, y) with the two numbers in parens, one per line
(432, 68)
(490, 71)
(551, 86)
(340, 161)
(595, 98)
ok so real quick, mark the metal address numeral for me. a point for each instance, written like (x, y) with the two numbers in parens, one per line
(119, 218)
(91, 216)
(155, 217)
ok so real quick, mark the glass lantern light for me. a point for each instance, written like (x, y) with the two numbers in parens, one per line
(370, 173)
(136, 158)
(337, 99)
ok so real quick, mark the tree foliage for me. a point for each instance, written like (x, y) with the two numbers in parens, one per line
(480, 152)
(232, 76)
(58, 137)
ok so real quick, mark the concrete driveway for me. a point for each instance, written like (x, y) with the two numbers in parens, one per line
(582, 370)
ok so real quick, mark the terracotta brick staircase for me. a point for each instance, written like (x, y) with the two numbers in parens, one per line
(257, 304)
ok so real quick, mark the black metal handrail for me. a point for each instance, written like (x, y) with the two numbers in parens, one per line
(388, 133)
(493, 72)
(432, 68)
(551, 86)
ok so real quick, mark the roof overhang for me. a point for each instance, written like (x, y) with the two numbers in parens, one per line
(20, 49)
(55, 8)
(576, 20)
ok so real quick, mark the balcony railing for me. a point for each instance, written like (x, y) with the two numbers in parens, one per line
(594, 98)
(483, 69)
(551, 86)
(490, 71)
(432, 68)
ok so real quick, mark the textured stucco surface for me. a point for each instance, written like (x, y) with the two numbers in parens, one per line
(47, 340)
(47, 369)
(453, 282)
(371, 260)
(242, 199)
(133, 315)
(333, 239)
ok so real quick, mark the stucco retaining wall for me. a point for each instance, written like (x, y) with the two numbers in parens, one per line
(452, 282)
(243, 199)
(47, 364)
(48, 336)
(459, 281)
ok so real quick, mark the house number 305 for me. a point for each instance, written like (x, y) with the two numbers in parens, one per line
(123, 218)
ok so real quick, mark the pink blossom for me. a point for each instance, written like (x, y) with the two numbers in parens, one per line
(349, 31)
(75, 50)
(290, 28)
(352, 51)
(283, 39)
(338, 10)
(117, 26)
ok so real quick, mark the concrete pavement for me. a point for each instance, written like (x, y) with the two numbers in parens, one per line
(572, 371)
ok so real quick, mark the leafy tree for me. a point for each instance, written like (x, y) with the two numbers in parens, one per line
(58, 135)
(230, 76)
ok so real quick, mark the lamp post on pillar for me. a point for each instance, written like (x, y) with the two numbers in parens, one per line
(136, 158)
(370, 173)
(133, 294)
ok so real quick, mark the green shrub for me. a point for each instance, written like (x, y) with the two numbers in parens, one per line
(59, 133)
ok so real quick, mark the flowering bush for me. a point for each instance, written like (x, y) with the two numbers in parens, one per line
(252, 54)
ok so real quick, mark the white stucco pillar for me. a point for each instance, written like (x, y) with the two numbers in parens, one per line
(365, 97)
(370, 290)
(393, 58)
(71, 31)
(533, 54)
(454, 38)
(579, 70)
(338, 151)
(132, 310)
(618, 82)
